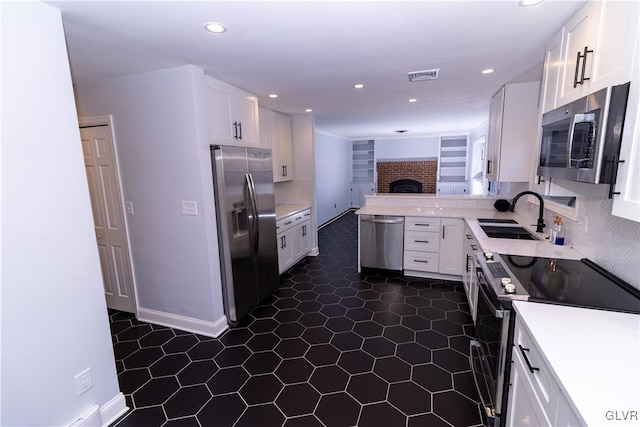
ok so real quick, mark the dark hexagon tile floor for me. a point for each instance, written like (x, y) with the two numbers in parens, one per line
(332, 347)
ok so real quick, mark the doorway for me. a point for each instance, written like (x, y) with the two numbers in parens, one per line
(108, 214)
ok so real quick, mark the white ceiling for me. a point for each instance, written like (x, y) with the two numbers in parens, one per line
(312, 52)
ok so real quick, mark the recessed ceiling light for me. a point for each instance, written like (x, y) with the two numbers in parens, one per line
(215, 27)
(358, 85)
(488, 71)
(273, 95)
(308, 110)
(525, 3)
(413, 100)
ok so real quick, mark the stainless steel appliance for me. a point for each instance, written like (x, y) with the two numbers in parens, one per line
(578, 283)
(245, 212)
(581, 140)
(381, 241)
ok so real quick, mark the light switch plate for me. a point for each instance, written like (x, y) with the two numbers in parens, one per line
(189, 208)
(128, 207)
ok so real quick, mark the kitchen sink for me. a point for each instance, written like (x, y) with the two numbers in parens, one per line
(502, 232)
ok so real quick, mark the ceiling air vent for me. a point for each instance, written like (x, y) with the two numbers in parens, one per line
(418, 76)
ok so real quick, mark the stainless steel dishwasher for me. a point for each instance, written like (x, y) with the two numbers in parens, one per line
(381, 241)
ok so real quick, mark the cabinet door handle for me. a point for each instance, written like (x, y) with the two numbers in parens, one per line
(467, 264)
(304, 230)
(474, 247)
(468, 236)
(532, 369)
(235, 130)
(582, 55)
(240, 127)
(443, 232)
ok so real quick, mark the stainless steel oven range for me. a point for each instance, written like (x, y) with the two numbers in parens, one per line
(505, 278)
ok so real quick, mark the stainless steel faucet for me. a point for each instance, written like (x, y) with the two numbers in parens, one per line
(540, 225)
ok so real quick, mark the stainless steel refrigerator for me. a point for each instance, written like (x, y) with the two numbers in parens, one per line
(245, 212)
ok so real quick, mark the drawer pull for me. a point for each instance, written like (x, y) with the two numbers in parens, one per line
(469, 237)
(526, 359)
(421, 260)
(474, 247)
(421, 241)
(422, 225)
(288, 222)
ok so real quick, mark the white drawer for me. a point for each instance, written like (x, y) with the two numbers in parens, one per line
(420, 261)
(422, 224)
(544, 385)
(423, 241)
(285, 223)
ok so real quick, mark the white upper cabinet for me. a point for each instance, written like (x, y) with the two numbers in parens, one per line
(551, 74)
(597, 49)
(232, 115)
(626, 198)
(282, 146)
(512, 132)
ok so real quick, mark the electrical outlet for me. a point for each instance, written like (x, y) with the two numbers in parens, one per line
(83, 381)
(583, 223)
(128, 207)
(189, 208)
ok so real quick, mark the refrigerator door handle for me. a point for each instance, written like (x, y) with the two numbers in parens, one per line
(254, 227)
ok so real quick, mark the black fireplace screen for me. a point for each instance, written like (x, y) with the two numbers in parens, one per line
(405, 186)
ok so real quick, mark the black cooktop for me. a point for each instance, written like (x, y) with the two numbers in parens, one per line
(578, 283)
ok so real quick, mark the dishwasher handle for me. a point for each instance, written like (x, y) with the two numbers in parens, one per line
(382, 220)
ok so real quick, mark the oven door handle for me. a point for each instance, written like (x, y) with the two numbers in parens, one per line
(497, 312)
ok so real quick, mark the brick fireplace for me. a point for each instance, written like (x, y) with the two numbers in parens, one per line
(423, 171)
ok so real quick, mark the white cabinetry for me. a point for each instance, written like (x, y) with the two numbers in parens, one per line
(598, 48)
(626, 198)
(535, 397)
(512, 132)
(232, 115)
(469, 274)
(433, 245)
(275, 133)
(358, 191)
(294, 238)
(282, 146)
(445, 188)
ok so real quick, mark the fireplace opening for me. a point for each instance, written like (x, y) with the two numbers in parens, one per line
(405, 186)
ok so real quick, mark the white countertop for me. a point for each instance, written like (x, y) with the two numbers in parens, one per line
(594, 355)
(536, 248)
(284, 210)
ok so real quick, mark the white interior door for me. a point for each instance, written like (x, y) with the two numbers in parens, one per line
(108, 216)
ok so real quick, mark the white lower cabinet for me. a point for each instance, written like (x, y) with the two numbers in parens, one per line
(294, 238)
(433, 245)
(535, 397)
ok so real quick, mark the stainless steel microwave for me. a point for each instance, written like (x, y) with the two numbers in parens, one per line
(581, 140)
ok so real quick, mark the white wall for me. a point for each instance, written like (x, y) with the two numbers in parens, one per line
(54, 316)
(162, 143)
(333, 174)
(407, 148)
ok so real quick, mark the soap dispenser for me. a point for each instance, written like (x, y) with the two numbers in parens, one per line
(559, 240)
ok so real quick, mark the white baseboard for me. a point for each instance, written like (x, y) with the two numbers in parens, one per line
(113, 409)
(188, 324)
(314, 251)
